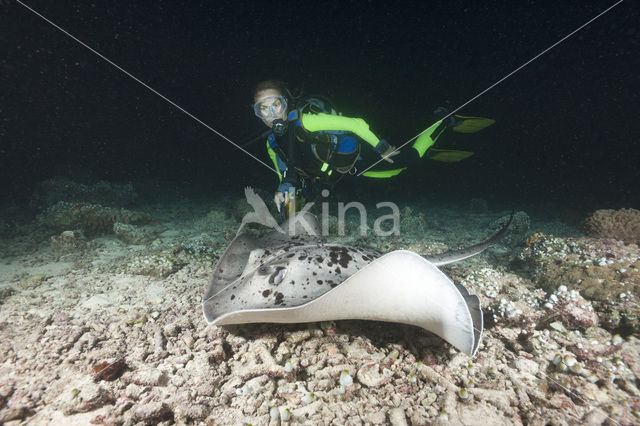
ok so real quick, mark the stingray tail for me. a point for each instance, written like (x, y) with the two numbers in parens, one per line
(452, 256)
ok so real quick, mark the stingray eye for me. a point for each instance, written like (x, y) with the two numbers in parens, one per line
(263, 270)
(277, 277)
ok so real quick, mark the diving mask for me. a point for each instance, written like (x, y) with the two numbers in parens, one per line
(270, 107)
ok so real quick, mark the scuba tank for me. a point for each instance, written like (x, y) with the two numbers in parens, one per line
(319, 103)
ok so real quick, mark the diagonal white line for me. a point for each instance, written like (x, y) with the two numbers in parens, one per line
(149, 87)
(501, 80)
(269, 167)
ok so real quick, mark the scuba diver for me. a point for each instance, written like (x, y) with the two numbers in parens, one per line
(310, 144)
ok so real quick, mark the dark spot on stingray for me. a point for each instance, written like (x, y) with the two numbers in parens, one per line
(319, 281)
(340, 255)
(303, 257)
(266, 293)
(330, 264)
(314, 273)
(333, 284)
(304, 297)
(344, 261)
(319, 259)
(266, 252)
(338, 270)
(279, 297)
(233, 296)
(291, 254)
(293, 282)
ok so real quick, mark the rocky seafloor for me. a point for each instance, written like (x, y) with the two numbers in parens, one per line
(101, 323)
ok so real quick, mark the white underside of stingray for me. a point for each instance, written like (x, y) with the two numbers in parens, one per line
(278, 280)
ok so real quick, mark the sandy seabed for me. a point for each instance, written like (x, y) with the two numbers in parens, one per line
(89, 336)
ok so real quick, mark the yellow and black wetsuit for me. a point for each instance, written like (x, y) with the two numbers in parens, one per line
(323, 147)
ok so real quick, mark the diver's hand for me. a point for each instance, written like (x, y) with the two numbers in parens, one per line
(280, 199)
(391, 152)
(386, 150)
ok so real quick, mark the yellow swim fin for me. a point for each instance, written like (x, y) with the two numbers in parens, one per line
(465, 124)
(448, 155)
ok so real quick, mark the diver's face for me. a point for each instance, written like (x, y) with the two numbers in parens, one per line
(270, 105)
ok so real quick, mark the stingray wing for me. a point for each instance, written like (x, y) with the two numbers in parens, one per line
(400, 286)
(231, 264)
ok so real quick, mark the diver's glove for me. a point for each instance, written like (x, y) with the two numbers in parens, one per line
(281, 196)
(386, 150)
(382, 146)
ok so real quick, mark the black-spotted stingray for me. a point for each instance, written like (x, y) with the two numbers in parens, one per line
(297, 278)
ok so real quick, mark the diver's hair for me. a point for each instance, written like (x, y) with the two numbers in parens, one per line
(278, 85)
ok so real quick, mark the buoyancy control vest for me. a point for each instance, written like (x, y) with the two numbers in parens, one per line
(315, 155)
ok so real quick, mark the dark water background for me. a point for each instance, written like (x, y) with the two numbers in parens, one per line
(567, 126)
